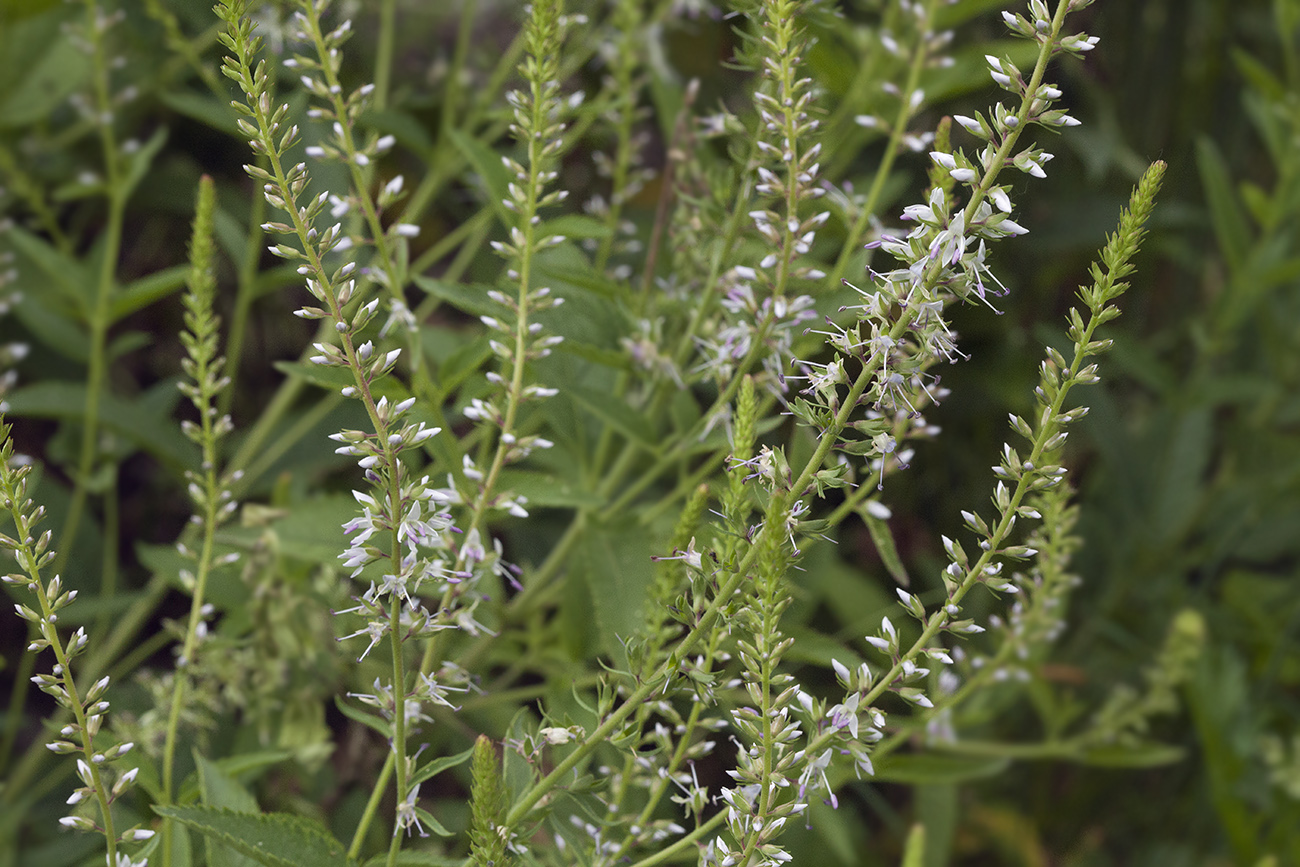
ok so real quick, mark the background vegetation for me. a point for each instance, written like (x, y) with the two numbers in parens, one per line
(1188, 466)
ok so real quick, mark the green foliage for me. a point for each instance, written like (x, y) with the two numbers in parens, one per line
(612, 420)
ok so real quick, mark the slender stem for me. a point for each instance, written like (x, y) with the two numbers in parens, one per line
(398, 749)
(99, 317)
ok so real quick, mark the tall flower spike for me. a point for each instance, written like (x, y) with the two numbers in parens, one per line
(539, 114)
(82, 736)
(400, 507)
(209, 490)
(941, 259)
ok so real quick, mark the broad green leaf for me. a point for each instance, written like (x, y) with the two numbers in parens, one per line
(460, 363)
(223, 791)
(812, 646)
(543, 489)
(225, 589)
(90, 608)
(918, 768)
(570, 271)
(147, 290)
(274, 839)
(950, 15)
(969, 71)
(834, 64)
(51, 75)
(43, 319)
(471, 298)
(217, 788)
(313, 529)
(615, 561)
(247, 763)
(616, 413)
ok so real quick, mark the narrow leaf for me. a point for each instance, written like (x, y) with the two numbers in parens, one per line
(275, 839)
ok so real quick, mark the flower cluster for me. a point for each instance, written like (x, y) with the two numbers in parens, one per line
(900, 333)
(538, 119)
(401, 529)
(319, 75)
(762, 314)
(88, 708)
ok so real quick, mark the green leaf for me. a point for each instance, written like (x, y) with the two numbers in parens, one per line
(51, 74)
(437, 766)
(217, 788)
(1261, 78)
(370, 720)
(68, 277)
(914, 851)
(204, 108)
(543, 489)
(147, 290)
(938, 810)
(1146, 755)
(274, 839)
(487, 163)
(55, 328)
(1230, 226)
(313, 529)
(616, 413)
(969, 70)
(155, 433)
(919, 768)
(574, 272)
(461, 363)
(615, 562)
(336, 378)
(471, 298)
(221, 790)
(141, 159)
(430, 823)
(815, 648)
(575, 226)
(405, 127)
(883, 539)
(419, 859)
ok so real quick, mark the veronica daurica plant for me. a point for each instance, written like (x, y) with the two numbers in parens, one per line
(608, 368)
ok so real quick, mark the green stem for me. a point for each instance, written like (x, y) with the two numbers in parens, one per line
(98, 317)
